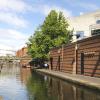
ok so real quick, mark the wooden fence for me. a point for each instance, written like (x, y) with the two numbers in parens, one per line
(82, 57)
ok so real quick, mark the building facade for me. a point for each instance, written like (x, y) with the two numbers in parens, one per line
(85, 24)
(24, 57)
(22, 52)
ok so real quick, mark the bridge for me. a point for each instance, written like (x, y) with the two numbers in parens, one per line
(14, 58)
(8, 50)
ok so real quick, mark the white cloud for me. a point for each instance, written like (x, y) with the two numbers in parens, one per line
(66, 12)
(9, 12)
(45, 9)
(10, 9)
(14, 5)
(12, 19)
(81, 13)
(12, 39)
(11, 34)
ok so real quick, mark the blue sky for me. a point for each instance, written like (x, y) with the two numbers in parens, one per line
(20, 18)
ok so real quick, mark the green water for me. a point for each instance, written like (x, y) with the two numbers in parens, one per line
(22, 84)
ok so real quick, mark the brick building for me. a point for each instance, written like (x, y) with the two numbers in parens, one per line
(22, 52)
(24, 57)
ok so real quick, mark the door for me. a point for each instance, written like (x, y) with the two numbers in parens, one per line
(59, 63)
(82, 63)
(51, 63)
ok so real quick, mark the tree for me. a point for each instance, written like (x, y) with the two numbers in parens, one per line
(56, 27)
(52, 33)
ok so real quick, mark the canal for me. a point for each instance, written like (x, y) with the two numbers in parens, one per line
(22, 84)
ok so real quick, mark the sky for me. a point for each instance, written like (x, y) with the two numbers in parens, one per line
(20, 18)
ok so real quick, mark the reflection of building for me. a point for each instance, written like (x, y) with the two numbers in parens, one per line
(22, 53)
(85, 23)
(62, 90)
(25, 74)
(9, 68)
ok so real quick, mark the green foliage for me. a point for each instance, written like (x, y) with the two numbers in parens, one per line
(52, 33)
(37, 88)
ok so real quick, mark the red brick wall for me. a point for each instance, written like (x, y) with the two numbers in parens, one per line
(22, 53)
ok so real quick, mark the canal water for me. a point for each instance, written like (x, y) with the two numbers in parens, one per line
(22, 84)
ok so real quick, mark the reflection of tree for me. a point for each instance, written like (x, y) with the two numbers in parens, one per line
(39, 88)
(36, 88)
(50, 89)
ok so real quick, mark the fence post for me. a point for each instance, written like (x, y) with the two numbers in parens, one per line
(62, 55)
(75, 61)
(82, 63)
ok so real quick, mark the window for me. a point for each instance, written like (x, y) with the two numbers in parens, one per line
(81, 33)
(95, 32)
(98, 22)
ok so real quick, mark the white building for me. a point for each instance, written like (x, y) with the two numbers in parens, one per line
(85, 24)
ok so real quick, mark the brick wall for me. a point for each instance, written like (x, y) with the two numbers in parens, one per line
(24, 57)
(22, 52)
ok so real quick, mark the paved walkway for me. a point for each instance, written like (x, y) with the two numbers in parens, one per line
(91, 82)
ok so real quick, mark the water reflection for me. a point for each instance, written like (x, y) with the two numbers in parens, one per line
(42, 87)
(10, 84)
(21, 84)
(25, 75)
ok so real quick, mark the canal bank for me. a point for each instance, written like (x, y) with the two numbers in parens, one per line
(90, 82)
